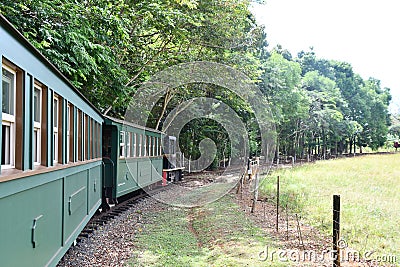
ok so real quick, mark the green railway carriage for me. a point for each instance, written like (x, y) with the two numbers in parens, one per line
(132, 158)
(51, 167)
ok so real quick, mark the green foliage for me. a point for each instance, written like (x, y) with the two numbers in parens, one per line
(109, 48)
(330, 111)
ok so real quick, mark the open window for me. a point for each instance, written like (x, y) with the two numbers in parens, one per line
(122, 144)
(91, 139)
(56, 120)
(140, 145)
(156, 146)
(86, 137)
(159, 147)
(153, 146)
(94, 139)
(68, 150)
(145, 148)
(134, 137)
(98, 140)
(150, 146)
(79, 133)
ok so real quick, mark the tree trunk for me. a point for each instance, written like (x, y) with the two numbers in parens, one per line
(323, 145)
(351, 145)
(277, 152)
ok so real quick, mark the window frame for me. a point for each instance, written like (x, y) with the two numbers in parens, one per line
(37, 125)
(158, 146)
(144, 145)
(9, 120)
(128, 144)
(56, 123)
(134, 140)
(122, 144)
(79, 129)
(153, 145)
(68, 132)
(87, 138)
(140, 145)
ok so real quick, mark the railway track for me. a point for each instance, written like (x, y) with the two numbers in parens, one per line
(101, 218)
(108, 238)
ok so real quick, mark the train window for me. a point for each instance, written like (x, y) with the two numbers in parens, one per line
(133, 147)
(140, 145)
(68, 130)
(85, 134)
(153, 141)
(37, 120)
(149, 146)
(156, 146)
(134, 139)
(37, 99)
(98, 140)
(55, 128)
(8, 91)
(128, 144)
(79, 133)
(145, 145)
(91, 140)
(94, 139)
(159, 146)
(122, 144)
(59, 136)
(8, 119)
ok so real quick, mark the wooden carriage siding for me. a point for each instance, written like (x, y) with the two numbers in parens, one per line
(46, 198)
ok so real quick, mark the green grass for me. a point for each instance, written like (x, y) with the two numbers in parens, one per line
(202, 195)
(370, 198)
(217, 234)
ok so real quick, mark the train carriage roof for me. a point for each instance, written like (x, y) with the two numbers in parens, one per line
(122, 122)
(5, 24)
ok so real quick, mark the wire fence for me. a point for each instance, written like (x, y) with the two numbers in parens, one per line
(280, 211)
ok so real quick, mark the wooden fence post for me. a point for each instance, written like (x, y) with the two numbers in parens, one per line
(336, 230)
(255, 195)
(277, 204)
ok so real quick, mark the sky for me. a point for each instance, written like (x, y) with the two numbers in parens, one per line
(362, 33)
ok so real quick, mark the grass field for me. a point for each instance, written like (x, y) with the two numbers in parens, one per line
(369, 187)
(217, 234)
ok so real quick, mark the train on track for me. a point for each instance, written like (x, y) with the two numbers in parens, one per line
(61, 159)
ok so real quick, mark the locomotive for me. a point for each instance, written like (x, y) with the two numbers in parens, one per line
(61, 159)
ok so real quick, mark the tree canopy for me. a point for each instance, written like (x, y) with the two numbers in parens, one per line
(109, 48)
